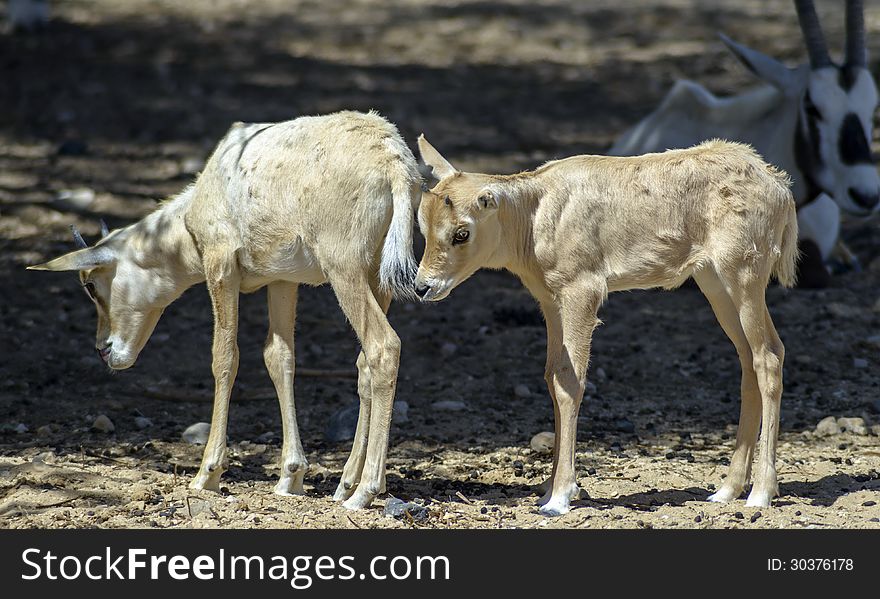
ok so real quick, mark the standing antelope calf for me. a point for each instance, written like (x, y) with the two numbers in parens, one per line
(316, 199)
(576, 229)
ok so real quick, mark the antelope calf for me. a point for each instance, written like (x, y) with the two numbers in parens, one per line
(576, 229)
(313, 200)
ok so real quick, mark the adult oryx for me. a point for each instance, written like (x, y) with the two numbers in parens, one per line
(814, 121)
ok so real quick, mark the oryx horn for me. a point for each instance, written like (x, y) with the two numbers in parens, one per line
(78, 238)
(812, 31)
(856, 51)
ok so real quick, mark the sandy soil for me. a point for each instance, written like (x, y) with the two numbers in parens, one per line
(127, 98)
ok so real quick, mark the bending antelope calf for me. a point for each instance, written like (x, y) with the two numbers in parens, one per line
(312, 200)
(576, 229)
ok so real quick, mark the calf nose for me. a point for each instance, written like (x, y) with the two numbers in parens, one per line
(421, 290)
(868, 201)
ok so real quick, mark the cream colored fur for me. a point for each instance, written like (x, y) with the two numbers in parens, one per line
(576, 229)
(313, 200)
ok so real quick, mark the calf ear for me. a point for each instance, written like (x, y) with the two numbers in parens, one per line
(430, 156)
(766, 68)
(84, 259)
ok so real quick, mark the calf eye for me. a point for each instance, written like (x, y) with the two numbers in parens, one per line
(460, 236)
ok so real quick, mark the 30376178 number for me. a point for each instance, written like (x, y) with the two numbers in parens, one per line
(821, 564)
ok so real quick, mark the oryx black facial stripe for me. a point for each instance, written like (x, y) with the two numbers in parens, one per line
(853, 145)
(847, 75)
(807, 158)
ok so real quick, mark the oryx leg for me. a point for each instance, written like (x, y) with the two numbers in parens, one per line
(381, 348)
(354, 466)
(750, 406)
(278, 354)
(578, 307)
(222, 278)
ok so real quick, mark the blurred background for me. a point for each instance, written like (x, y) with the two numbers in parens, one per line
(116, 104)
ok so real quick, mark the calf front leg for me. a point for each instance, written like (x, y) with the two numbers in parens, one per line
(578, 307)
(279, 357)
(223, 286)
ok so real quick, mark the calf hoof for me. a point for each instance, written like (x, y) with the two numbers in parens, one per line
(207, 481)
(555, 507)
(724, 495)
(760, 498)
(359, 500)
(344, 491)
(287, 487)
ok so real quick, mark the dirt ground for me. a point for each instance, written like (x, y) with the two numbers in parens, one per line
(125, 100)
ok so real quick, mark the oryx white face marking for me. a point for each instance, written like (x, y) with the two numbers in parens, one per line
(837, 111)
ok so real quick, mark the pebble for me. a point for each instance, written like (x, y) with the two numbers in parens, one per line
(21, 428)
(398, 508)
(625, 426)
(828, 426)
(543, 442)
(142, 422)
(44, 431)
(81, 197)
(103, 424)
(448, 349)
(400, 412)
(860, 363)
(755, 517)
(342, 424)
(521, 391)
(197, 434)
(265, 437)
(449, 405)
(876, 430)
(856, 426)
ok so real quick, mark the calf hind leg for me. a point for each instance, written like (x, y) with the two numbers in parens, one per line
(222, 279)
(750, 407)
(278, 355)
(381, 349)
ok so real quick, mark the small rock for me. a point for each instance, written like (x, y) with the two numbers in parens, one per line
(869, 503)
(855, 426)
(860, 363)
(844, 311)
(449, 405)
(542, 443)
(827, 427)
(875, 429)
(191, 166)
(755, 517)
(625, 426)
(265, 437)
(21, 428)
(397, 508)
(142, 422)
(521, 391)
(342, 424)
(448, 349)
(197, 506)
(45, 430)
(80, 198)
(400, 412)
(102, 424)
(73, 147)
(197, 434)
